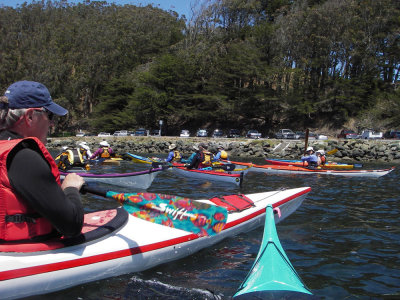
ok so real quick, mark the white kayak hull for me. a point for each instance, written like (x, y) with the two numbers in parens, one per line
(133, 248)
(296, 170)
(140, 180)
(236, 179)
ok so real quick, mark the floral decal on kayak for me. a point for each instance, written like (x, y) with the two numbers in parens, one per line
(174, 211)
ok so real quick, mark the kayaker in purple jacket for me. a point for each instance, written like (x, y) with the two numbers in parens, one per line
(311, 158)
(105, 151)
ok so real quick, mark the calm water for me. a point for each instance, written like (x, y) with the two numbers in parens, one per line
(344, 241)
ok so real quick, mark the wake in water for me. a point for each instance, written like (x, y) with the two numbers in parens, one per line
(153, 289)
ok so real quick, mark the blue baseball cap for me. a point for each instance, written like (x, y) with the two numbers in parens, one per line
(28, 94)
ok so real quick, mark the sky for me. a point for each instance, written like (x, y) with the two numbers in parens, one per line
(182, 7)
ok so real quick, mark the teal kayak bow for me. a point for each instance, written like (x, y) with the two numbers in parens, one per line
(272, 276)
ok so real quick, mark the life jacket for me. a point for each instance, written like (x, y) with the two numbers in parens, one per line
(68, 159)
(18, 221)
(323, 160)
(224, 154)
(206, 158)
(105, 153)
(177, 156)
(83, 153)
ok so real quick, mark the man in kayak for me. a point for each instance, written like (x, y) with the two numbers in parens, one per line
(221, 154)
(173, 155)
(311, 158)
(84, 149)
(191, 157)
(70, 158)
(321, 157)
(35, 205)
(104, 151)
(202, 159)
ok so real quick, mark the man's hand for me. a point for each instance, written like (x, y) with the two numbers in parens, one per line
(72, 180)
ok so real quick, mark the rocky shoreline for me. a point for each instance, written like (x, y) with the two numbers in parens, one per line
(350, 150)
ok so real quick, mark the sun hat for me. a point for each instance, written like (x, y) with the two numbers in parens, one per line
(84, 145)
(31, 94)
(321, 151)
(310, 149)
(104, 144)
(172, 146)
(195, 147)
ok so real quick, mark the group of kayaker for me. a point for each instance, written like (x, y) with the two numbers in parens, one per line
(314, 159)
(201, 158)
(79, 157)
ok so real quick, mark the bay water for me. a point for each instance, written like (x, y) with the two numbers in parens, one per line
(344, 241)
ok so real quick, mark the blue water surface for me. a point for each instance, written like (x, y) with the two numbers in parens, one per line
(344, 241)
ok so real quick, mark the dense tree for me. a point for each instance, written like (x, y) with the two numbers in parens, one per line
(262, 63)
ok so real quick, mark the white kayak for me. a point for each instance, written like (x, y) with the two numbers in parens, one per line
(276, 169)
(211, 175)
(126, 244)
(140, 179)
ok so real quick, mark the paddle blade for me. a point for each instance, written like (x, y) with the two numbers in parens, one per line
(226, 167)
(174, 211)
(229, 167)
(333, 151)
(272, 275)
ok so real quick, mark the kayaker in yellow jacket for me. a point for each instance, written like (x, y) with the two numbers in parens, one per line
(173, 155)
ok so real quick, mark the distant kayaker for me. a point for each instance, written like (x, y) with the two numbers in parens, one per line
(321, 157)
(84, 149)
(35, 205)
(191, 157)
(173, 155)
(71, 157)
(202, 159)
(221, 154)
(105, 151)
(311, 158)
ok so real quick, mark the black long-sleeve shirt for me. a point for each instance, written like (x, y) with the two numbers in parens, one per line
(31, 178)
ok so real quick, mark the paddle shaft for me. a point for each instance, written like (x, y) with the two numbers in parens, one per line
(306, 141)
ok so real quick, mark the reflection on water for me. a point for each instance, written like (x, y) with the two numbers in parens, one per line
(344, 241)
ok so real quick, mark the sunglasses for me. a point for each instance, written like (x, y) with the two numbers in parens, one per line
(50, 115)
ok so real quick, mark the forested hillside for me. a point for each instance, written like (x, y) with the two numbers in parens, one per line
(234, 64)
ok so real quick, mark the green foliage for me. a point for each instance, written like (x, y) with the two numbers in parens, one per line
(253, 63)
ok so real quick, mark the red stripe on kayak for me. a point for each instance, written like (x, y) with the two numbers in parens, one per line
(12, 274)
(18, 273)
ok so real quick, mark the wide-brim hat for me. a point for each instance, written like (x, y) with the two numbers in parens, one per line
(172, 146)
(195, 147)
(310, 149)
(84, 145)
(31, 94)
(104, 144)
(321, 151)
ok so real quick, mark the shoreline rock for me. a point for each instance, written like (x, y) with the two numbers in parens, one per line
(348, 150)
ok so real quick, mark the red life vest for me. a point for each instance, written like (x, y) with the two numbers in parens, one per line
(18, 221)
